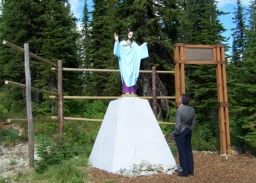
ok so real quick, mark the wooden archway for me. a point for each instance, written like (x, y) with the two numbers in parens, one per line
(206, 54)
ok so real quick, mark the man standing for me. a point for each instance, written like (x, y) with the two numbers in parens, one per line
(129, 55)
(185, 121)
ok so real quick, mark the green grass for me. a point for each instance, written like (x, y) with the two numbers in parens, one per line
(62, 159)
(2, 180)
(70, 171)
(9, 137)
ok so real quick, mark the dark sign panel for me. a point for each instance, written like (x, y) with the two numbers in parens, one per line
(199, 54)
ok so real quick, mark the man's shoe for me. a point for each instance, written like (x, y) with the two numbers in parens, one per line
(191, 173)
(182, 174)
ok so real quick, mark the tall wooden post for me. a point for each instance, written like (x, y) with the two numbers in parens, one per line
(177, 83)
(177, 74)
(223, 102)
(60, 98)
(154, 90)
(29, 107)
(182, 69)
(179, 58)
(225, 94)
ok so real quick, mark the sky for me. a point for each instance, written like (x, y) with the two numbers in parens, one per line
(226, 6)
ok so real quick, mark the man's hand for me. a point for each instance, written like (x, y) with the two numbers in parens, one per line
(116, 37)
(170, 137)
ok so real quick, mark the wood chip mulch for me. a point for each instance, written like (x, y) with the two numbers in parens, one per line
(209, 168)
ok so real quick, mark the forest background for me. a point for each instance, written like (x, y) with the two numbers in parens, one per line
(50, 29)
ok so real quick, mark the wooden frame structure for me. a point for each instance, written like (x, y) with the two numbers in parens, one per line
(28, 88)
(206, 54)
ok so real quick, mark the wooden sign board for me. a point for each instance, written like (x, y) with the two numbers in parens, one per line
(196, 54)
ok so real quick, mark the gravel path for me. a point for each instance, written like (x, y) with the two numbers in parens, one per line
(13, 160)
(209, 167)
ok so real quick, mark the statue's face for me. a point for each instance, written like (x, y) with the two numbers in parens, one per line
(130, 34)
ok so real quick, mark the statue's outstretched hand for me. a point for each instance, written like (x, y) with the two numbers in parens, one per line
(116, 37)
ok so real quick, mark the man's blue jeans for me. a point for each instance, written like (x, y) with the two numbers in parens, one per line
(183, 142)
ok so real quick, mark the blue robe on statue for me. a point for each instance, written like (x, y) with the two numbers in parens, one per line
(129, 58)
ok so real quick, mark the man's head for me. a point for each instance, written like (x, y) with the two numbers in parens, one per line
(184, 99)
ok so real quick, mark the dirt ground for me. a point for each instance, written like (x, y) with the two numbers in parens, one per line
(209, 168)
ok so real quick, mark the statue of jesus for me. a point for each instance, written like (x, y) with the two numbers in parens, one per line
(129, 55)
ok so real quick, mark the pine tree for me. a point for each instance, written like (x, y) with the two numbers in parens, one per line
(18, 25)
(58, 40)
(50, 29)
(86, 51)
(85, 37)
(101, 52)
(243, 107)
(238, 34)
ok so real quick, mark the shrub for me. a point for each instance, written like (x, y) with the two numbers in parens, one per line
(9, 136)
(204, 139)
(78, 138)
(96, 109)
(52, 153)
(2, 180)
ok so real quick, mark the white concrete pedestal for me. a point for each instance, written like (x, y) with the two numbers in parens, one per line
(130, 134)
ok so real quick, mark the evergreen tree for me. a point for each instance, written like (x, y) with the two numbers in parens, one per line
(101, 52)
(18, 25)
(238, 34)
(85, 36)
(243, 109)
(50, 29)
(58, 40)
(86, 51)
(1, 6)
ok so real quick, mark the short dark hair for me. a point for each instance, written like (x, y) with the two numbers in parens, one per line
(184, 99)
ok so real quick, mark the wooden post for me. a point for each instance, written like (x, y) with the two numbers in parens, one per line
(177, 74)
(154, 90)
(182, 69)
(222, 121)
(182, 78)
(225, 94)
(29, 107)
(60, 98)
(177, 83)
(221, 107)
(179, 71)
